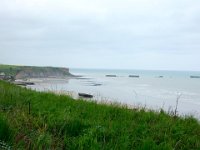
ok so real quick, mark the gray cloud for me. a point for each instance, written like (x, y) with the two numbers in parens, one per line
(139, 34)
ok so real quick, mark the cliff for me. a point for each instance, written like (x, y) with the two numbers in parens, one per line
(21, 72)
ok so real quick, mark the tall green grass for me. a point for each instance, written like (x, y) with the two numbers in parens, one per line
(60, 122)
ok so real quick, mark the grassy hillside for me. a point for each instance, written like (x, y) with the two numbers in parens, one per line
(60, 122)
(33, 71)
(10, 69)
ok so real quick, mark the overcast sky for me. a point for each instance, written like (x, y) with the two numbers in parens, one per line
(123, 34)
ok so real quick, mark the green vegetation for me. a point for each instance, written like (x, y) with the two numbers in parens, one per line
(10, 70)
(60, 122)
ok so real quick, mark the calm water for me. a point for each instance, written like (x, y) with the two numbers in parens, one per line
(148, 90)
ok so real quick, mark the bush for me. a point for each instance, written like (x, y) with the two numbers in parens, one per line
(5, 134)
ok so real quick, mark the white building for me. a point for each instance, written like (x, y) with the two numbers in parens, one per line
(2, 75)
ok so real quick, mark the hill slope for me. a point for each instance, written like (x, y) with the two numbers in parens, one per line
(38, 120)
(21, 72)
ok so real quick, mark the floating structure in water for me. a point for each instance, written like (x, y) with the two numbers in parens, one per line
(134, 76)
(110, 75)
(194, 76)
(85, 95)
(96, 84)
(23, 83)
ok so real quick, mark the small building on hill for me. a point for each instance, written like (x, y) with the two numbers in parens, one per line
(2, 75)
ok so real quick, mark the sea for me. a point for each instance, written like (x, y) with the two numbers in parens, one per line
(150, 89)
